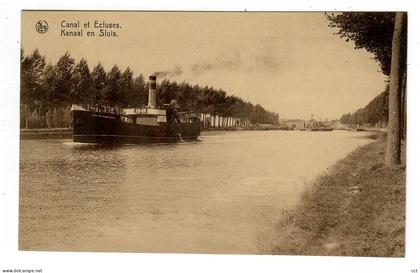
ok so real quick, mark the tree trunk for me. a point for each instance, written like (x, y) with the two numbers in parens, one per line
(392, 153)
(26, 115)
(403, 116)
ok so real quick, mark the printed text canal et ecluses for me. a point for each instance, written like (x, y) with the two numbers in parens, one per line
(95, 28)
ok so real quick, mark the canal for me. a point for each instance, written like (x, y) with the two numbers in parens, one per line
(221, 194)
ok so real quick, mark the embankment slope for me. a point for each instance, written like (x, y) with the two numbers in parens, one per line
(357, 209)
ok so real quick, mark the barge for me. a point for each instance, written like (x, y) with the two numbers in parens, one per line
(150, 124)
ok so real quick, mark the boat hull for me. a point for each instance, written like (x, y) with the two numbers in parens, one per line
(109, 128)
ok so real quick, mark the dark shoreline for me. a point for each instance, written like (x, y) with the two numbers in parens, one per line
(64, 133)
(55, 133)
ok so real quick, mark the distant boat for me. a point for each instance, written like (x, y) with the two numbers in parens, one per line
(357, 129)
(321, 129)
(149, 124)
(317, 126)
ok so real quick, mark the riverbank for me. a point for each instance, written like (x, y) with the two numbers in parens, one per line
(56, 133)
(60, 133)
(357, 209)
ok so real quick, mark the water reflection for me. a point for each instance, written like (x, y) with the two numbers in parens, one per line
(214, 196)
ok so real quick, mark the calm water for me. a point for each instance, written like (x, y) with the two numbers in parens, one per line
(218, 195)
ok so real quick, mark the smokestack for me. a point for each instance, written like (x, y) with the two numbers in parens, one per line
(152, 92)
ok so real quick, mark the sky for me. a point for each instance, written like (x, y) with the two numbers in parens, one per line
(290, 63)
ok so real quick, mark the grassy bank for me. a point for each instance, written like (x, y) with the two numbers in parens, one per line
(358, 209)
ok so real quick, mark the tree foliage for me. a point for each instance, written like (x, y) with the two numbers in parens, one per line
(82, 83)
(99, 81)
(113, 92)
(64, 74)
(32, 68)
(374, 113)
(372, 31)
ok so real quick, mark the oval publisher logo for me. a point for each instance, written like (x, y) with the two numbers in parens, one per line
(41, 26)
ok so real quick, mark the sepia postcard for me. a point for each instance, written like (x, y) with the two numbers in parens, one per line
(278, 133)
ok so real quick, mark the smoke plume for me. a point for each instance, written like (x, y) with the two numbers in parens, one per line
(176, 71)
(263, 62)
(260, 62)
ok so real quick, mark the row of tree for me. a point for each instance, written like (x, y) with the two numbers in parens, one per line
(384, 34)
(46, 88)
(374, 114)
